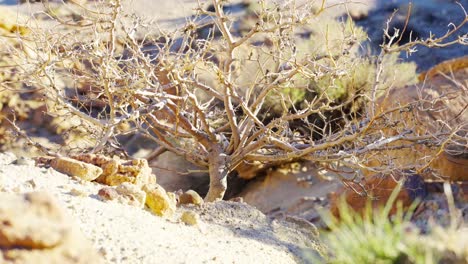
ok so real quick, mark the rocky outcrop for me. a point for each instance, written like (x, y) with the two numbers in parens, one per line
(34, 229)
(435, 112)
(292, 189)
(105, 170)
(375, 191)
(117, 171)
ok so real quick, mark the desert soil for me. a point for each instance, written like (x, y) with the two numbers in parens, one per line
(227, 232)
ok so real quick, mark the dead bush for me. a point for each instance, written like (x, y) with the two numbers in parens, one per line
(223, 96)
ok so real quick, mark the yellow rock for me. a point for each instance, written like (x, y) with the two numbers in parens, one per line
(159, 201)
(116, 171)
(72, 167)
(190, 218)
(12, 22)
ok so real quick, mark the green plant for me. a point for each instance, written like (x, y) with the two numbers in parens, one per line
(377, 237)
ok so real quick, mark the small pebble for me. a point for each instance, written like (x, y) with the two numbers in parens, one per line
(108, 193)
(78, 192)
(190, 218)
(32, 183)
(190, 197)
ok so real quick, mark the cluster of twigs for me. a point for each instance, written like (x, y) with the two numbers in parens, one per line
(123, 80)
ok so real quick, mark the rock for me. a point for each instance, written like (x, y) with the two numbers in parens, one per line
(430, 109)
(72, 167)
(78, 192)
(116, 171)
(16, 212)
(190, 218)
(126, 193)
(11, 22)
(292, 189)
(34, 229)
(108, 193)
(428, 18)
(172, 196)
(237, 199)
(131, 194)
(251, 170)
(172, 173)
(159, 201)
(190, 197)
(376, 191)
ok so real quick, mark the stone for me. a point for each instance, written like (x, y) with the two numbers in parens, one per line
(131, 194)
(291, 189)
(116, 171)
(190, 197)
(249, 171)
(16, 214)
(159, 201)
(108, 193)
(11, 22)
(78, 192)
(126, 193)
(35, 229)
(376, 191)
(190, 218)
(171, 170)
(436, 105)
(73, 167)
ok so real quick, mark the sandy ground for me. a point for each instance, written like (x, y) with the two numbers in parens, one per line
(228, 232)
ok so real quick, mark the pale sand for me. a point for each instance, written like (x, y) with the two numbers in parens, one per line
(228, 232)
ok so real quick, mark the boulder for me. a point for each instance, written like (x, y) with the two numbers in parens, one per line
(35, 229)
(131, 194)
(172, 171)
(432, 110)
(33, 220)
(293, 189)
(375, 191)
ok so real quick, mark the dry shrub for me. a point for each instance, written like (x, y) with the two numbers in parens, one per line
(222, 96)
